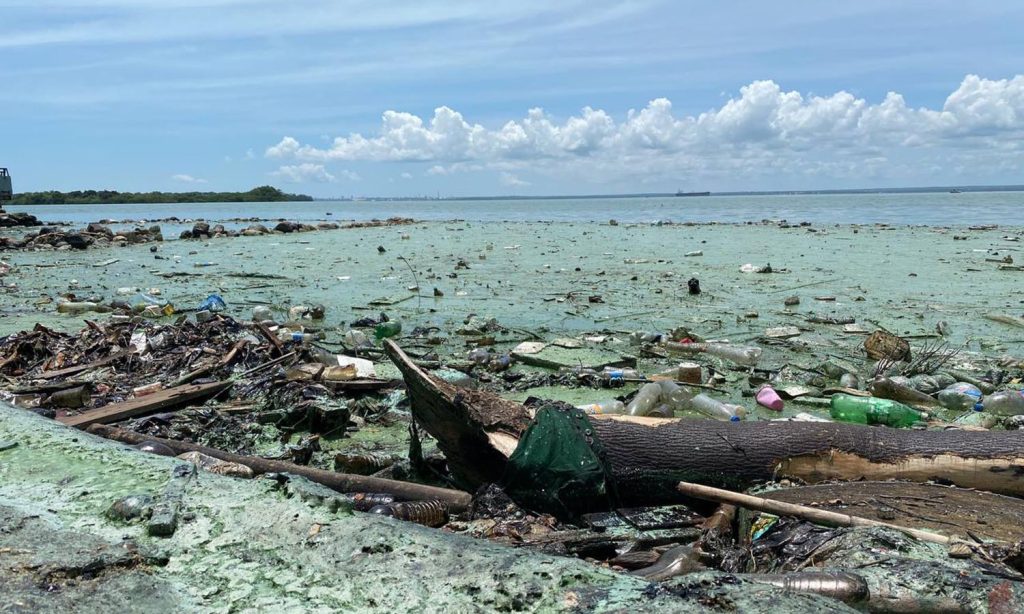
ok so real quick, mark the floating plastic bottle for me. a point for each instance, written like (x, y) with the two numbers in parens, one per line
(645, 400)
(838, 585)
(616, 373)
(872, 410)
(961, 396)
(261, 313)
(356, 339)
(303, 338)
(1005, 403)
(385, 330)
(717, 409)
(81, 307)
(675, 396)
(747, 356)
(611, 406)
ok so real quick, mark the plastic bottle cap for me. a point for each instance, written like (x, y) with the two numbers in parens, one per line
(978, 407)
(734, 419)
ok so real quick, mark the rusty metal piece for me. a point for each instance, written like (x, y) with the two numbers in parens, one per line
(840, 585)
(428, 513)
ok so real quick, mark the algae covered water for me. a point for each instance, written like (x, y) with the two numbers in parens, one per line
(932, 208)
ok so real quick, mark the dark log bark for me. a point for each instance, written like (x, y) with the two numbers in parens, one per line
(469, 425)
(477, 431)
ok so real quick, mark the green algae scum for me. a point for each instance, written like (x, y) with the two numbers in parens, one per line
(283, 543)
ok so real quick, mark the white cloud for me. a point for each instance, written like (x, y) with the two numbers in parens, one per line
(305, 172)
(406, 175)
(509, 180)
(764, 129)
(183, 178)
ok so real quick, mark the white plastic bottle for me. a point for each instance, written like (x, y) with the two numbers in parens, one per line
(747, 356)
(961, 396)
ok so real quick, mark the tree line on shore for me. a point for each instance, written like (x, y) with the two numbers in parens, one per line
(264, 193)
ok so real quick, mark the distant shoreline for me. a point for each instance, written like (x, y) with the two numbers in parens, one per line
(913, 190)
(262, 194)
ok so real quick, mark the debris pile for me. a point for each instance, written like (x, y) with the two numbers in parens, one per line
(94, 235)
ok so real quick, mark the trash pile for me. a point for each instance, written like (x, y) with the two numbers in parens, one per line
(94, 235)
(883, 474)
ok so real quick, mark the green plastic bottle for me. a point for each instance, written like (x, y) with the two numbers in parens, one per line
(387, 329)
(872, 410)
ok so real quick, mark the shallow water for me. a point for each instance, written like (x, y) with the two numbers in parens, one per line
(939, 208)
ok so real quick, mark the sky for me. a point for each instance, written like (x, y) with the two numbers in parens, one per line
(509, 97)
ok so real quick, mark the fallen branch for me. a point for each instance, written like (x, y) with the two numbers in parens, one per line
(817, 516)
(456, 500)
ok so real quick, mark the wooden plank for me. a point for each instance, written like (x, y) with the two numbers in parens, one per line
(172, 397)
(79, 368)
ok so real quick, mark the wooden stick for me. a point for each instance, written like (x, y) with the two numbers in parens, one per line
(202, 371)
(457, 500)
(151, 403)
(811, 514)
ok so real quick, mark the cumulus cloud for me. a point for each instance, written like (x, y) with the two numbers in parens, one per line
(305, 172)
(183, 178)
(763, 125)
(509, 180)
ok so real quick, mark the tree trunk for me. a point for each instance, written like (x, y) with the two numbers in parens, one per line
(478, 431)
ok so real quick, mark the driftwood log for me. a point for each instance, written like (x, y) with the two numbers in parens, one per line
(478, 431)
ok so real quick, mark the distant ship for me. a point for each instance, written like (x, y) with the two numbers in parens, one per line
(682, 193)
(955, 191)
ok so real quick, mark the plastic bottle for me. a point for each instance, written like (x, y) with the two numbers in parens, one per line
(303, 338)
(1005, 403)
(478, 355)
(611, 406)
(387, 329)
(961, 396)
(616, 373)
(675, 396)
(81, 307)
(356, 339)
(645, 400)
(261, 313)
(872, 410)
(746, 356)
(717, 409)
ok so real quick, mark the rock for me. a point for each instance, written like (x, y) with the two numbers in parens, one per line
(286, 227)
(791, 301)
(131, 507)
(200, 229)
(78, 241)
(99, 229)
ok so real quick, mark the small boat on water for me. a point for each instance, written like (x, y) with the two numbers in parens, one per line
(682, 193)
(956, 191)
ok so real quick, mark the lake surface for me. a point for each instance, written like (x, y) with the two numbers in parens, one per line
(940, 209)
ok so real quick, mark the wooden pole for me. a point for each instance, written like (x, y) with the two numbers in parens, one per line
(811, 514)
(456, 500)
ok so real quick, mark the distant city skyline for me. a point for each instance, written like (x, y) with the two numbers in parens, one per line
(405, 98)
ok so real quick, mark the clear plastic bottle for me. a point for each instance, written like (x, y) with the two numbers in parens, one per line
(717, 409)
(1005, 403)
(747, 356)
(355, 338)
(619, 373)
(81, 307)
(645, 400)
(610, 406)
(675, 396)
(872, 410)
(961, 396)
(303, 338)
(261, 313)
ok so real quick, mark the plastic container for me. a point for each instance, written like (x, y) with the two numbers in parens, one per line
(303, 338)
(645, 400)
(717, 409)
(747, 356)
(385, 330)
(872, 410)
(1005, 403)
(767, 397)
(261, 313)
(357, 339)
(961, 396)
(611, 406)
(616, 373)
(675, 396)
(81, 307)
